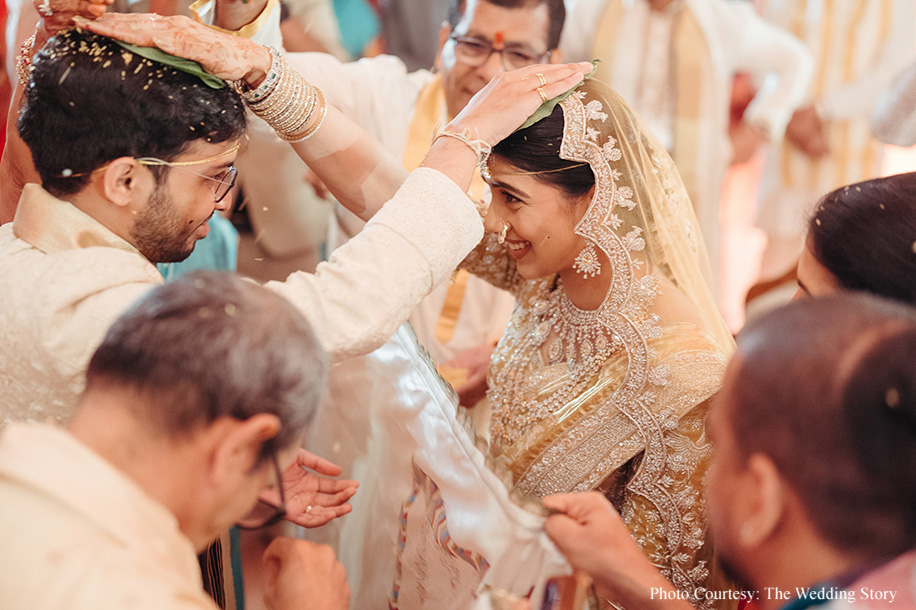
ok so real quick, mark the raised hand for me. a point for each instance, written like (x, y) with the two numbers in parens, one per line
(511, 97)
(313, 499)
(222, 55)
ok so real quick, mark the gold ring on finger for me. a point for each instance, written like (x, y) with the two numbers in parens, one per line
(541, 79)
(543, 95)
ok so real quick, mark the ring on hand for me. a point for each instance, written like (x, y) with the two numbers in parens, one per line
(308, 509)
(541, 78)
(45, 8)
(543, 95)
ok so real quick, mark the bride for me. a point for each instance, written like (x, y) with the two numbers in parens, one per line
(604, 375)
(603, 378)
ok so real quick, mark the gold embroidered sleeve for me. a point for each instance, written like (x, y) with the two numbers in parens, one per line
(667, 515)
(491, 262)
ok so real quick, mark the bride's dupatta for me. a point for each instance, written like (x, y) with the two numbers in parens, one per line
(615, 399)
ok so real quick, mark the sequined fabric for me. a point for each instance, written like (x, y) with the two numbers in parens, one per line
(616, 398)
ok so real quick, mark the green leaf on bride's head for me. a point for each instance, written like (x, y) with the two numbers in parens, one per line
(179, 63)
(547, 107)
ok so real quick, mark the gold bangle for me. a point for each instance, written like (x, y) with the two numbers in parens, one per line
(314, 128)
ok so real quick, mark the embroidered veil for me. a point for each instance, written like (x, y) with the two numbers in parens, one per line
(615, 399)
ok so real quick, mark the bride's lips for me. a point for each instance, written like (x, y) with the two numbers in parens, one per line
(517, 249)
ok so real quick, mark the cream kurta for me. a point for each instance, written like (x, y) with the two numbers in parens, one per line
(79, 535)
(65, 278)
(858, 47)
(730, 38)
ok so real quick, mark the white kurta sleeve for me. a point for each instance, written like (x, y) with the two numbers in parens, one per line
(857, 98)
(357, 299)
(778, 62)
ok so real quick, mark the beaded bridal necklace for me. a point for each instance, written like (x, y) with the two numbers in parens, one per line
(563, 334)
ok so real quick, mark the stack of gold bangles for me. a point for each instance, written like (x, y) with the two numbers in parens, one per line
(288, 102)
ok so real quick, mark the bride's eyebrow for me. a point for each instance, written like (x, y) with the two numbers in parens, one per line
(508, 187)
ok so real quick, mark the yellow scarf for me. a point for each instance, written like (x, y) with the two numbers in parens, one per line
(690, 63)
(427, 114)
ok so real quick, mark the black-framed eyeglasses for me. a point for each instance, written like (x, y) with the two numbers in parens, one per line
(475, 52)
(224, 183)
(265, 514)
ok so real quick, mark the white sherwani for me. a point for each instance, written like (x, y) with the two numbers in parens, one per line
(65, 278)
(640, 63)
(80, 535)
(858, 47)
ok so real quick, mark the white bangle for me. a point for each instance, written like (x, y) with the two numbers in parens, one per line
(480, 148)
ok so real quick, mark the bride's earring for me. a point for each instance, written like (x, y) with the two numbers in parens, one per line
(587, 262)
(501, 236)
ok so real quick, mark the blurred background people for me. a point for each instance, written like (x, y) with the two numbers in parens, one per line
(674, 61)
(858, 46)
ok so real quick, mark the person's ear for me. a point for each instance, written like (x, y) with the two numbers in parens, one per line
(240, 445)
(444, 32)
(120, 181)
(556, 56)
(765, 499)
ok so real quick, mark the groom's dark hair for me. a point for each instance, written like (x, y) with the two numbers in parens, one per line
(90, 100)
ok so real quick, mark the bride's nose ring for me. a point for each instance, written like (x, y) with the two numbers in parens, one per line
(501, 236)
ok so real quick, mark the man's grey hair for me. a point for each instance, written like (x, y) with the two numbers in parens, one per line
(211, 345)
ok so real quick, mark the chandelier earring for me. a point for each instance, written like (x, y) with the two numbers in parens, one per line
(501, 236)
(587, 262)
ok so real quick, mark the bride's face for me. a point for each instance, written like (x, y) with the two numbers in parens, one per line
(541, 219)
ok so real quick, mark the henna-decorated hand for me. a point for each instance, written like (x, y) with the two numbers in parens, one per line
(222, 55)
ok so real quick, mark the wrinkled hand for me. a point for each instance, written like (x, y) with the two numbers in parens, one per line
(222, 55)
(475, 361)
(511, 97)
(313, 500)
(304, 574)
(56, 15)
(806, 131)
